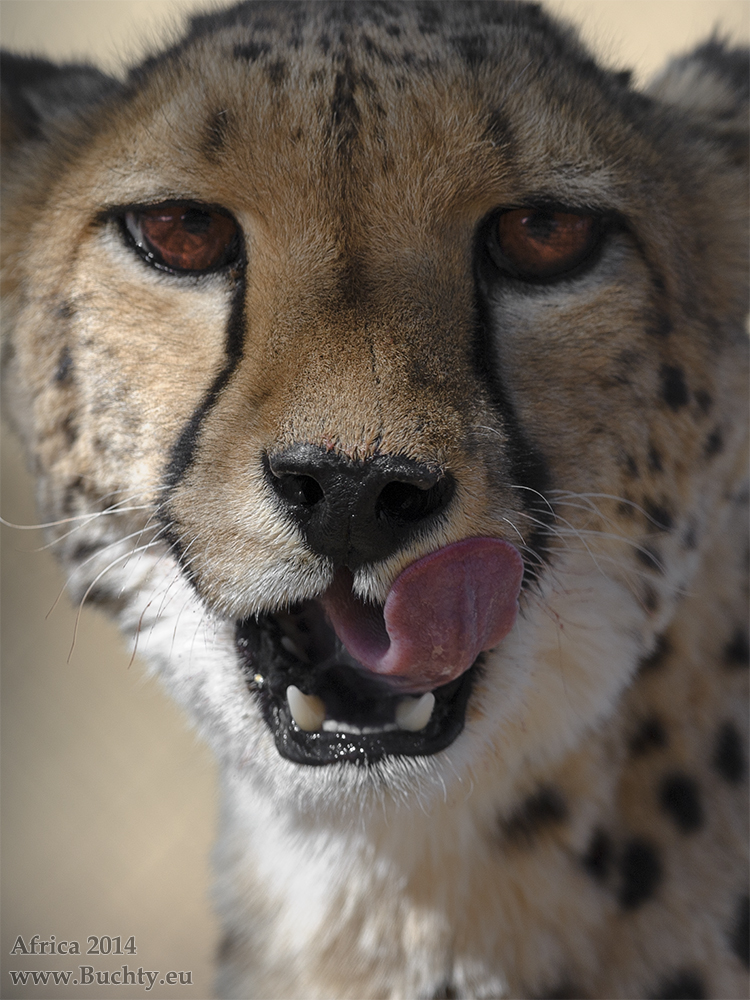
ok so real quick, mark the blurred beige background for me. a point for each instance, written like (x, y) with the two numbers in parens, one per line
(108, 801)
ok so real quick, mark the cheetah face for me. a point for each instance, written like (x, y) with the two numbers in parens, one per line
(361, 629)
(366, 651)
(405, 417)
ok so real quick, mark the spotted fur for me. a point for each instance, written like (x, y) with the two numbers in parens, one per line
(585, 834)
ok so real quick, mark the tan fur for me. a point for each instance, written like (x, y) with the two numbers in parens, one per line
(362, 179)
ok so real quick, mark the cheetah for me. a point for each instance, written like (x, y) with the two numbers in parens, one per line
(390, 360)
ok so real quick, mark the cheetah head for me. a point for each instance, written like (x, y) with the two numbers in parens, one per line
(398, 362)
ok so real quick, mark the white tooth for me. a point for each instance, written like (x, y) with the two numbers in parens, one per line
(307, 710)
(291, 647)
(414, 713)
(332, 726)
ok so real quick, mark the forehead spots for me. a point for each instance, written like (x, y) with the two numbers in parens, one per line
(378, 53)
(472, 48)
(430, 17)
(345, 116)
(216, 132)
(259, 50)
(251, 51)
(498, 130)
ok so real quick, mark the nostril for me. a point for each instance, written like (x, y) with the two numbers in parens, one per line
(356, 511)
(407, 502)
(298, 491)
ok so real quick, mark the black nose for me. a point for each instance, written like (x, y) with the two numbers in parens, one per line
(357, 512)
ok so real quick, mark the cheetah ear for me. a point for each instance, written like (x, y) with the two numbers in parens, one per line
(38, 95)
(712, 83)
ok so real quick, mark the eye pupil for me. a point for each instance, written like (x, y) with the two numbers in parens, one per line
(183, 238)
(195, 221)
(541, 226)
(541, 244)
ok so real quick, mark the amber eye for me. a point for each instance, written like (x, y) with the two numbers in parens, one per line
(184, 238)
(539, 244)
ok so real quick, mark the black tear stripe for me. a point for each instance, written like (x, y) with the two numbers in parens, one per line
(183, 451)
(562, 990)
(739, 936)
(686, 984)
(526, 466)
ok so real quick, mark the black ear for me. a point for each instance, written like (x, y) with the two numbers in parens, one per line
(37, 94)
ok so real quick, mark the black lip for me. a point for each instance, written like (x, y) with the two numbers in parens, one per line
(269, 669)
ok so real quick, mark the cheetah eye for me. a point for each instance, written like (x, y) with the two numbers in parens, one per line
(542, 245)
(183, 238)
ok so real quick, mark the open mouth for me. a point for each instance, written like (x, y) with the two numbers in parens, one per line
(339, 680)
(338, 711)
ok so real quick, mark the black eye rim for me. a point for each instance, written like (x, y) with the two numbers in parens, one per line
(604, 222)
(234, 258)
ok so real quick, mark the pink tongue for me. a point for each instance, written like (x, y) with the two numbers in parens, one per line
(441, 612)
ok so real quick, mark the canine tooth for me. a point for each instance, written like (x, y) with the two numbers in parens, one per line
(414, 713)
(291, 647)
(307, 710)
